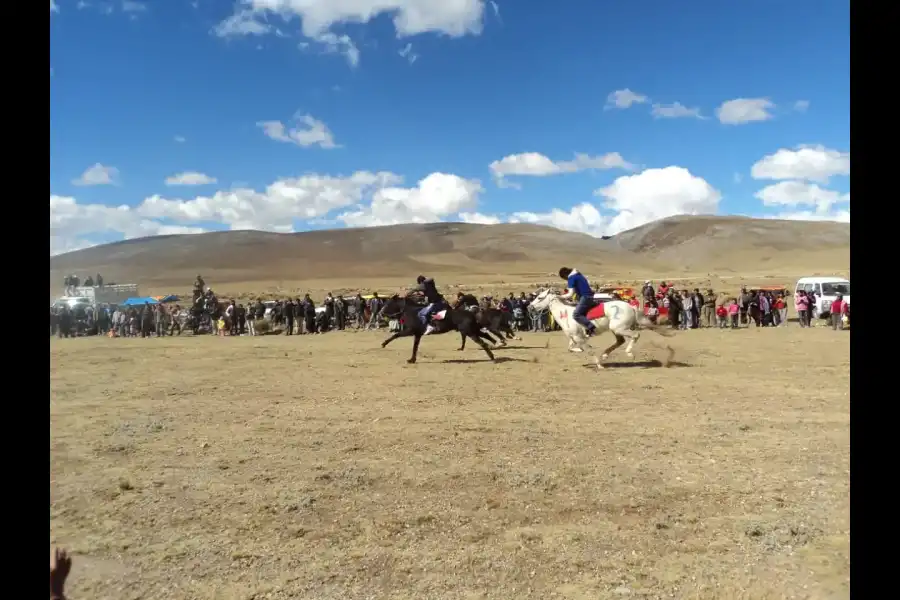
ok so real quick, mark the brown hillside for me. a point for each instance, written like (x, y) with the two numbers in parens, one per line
(461, 252)
(732, 244)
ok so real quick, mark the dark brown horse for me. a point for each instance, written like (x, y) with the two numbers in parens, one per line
(445, 319)
(496, 321)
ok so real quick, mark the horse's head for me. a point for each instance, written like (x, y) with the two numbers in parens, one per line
(542, 300)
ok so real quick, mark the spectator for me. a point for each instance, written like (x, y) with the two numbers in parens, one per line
(838, 310)
(734, 311)
(801, 305)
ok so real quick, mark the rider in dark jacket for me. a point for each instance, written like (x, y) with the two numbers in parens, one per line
(466, 300)
(428, 289)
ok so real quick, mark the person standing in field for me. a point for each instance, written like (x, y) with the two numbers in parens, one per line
(734, 312)
(801, 305)
(838, 310)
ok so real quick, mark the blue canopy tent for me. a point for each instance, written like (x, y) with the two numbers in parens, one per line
(139, 301)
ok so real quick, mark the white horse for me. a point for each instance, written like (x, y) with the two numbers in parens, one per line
(616, 316)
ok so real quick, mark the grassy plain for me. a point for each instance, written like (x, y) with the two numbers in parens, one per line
(324, 467)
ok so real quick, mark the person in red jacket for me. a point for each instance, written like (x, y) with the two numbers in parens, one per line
(838, 310)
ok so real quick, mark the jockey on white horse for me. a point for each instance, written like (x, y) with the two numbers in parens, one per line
(614, 315)
(578, 284)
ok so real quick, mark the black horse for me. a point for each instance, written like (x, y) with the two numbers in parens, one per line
(495, 321)
(455, 319)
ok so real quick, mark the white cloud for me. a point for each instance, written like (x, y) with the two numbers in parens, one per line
(478, 218)
(98, 175)
(407, 53)
(242, 22)
(53, 7)
(584, 218)
(130, 6)
(801, 105)
(537, 165)
(275, 208)
(799, 193)
(840, 216)
(435, 198)
(340, 44)
(454, 18)
(633, 200)
(744, 110)
(624, 99)
(190, 178)
(74, 226)
(361, 199)
(303, 198)
(675, 111)
(180, 139)
(315, 133)
(810, 163)
(656, 194)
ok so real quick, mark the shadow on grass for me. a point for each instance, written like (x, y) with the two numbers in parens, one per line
(518, 348)
(499, 359)
(639, 364)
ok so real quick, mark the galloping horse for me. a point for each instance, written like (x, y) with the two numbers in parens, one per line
(496, 321)
(444, 320)
(614, 315)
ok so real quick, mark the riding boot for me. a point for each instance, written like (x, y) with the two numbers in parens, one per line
(429, 330)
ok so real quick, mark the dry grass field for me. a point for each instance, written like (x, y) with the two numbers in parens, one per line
(323, 467)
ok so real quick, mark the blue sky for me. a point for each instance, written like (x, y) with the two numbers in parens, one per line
(593, 116)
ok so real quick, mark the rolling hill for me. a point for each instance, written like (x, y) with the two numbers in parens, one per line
(695, 244)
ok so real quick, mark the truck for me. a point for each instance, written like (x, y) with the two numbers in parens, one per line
(107, 294)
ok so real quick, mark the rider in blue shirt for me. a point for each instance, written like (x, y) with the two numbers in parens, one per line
(578, 284)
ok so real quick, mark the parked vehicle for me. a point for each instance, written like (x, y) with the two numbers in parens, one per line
(825, 290)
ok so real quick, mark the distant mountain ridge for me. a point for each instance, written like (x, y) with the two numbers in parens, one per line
(240, 256)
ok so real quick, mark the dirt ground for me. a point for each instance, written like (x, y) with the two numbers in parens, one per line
(323, 467)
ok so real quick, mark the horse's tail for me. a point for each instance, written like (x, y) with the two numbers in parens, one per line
(646, 323)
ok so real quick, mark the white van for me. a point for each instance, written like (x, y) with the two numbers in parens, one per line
(825, 290)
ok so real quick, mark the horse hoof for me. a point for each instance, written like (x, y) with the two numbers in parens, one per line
(411, 361)
(604, 356)
(630, 354)
(460, 349)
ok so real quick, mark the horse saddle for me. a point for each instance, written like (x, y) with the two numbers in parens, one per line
(598, 312)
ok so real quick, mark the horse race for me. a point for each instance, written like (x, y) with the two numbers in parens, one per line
(445, 354)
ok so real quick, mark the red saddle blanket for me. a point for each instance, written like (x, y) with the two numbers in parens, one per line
(598, 312)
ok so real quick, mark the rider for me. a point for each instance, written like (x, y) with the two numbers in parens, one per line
(578, 284)
(466, 301)
(427, 287)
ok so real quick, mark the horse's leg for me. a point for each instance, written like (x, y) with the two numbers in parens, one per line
(584, 345)
(476, 337)
(500, 338)
(511, 334)
(487, 336)
(418, 338)
(620, 339)
(463, 345)
(633, 337)
(402, 333)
